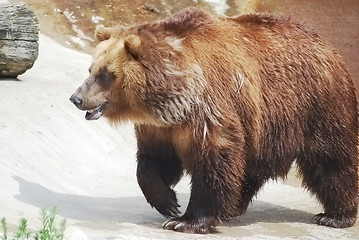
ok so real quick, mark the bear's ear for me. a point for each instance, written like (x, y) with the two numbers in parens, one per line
(132, 46)
(102, 33)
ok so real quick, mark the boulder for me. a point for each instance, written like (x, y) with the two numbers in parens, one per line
(19, 35)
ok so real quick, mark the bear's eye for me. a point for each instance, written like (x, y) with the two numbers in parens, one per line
(105, 78)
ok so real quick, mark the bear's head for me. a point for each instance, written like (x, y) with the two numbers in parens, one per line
(114, 87)
(151, 73)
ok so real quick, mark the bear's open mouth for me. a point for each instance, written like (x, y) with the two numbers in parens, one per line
(95, 113)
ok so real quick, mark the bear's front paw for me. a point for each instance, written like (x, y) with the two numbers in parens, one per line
(203, 225)
(336, 222)
(167, 204)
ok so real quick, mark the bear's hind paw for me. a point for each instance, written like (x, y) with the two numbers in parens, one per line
(336, 222)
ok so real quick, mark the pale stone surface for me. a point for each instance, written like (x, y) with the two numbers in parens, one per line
(18, 39)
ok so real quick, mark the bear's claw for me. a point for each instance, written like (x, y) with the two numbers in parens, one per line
(171, 211)
(167, 205)
(202, 225)
(336, 222)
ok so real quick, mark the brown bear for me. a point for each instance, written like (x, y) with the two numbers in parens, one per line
(232, 102)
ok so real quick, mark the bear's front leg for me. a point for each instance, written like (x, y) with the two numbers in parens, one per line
(216, 164)
(207, 203)
(155, 188)
(158, 169)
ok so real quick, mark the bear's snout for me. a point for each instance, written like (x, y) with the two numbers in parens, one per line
(77, 101)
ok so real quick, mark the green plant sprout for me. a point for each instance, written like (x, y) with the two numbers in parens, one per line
(22, 232)
(49, 230)
(4, 228)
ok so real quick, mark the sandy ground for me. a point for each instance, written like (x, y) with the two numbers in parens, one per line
(51, 156)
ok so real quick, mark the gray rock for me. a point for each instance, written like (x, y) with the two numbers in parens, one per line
(19, 35)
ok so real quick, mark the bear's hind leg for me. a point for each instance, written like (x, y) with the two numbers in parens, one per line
(335, 184)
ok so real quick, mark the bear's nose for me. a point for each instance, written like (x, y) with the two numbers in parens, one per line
(76, 100)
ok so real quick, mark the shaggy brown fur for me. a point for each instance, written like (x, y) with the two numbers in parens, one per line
(232, 102)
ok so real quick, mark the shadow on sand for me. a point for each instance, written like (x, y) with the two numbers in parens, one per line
(136, 210)
(9, 79)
